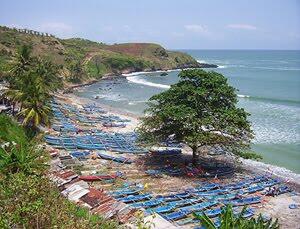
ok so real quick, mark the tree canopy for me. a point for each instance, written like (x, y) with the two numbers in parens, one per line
(31, 84)
(200, 110)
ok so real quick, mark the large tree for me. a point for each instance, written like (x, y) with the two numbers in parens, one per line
(200, 111)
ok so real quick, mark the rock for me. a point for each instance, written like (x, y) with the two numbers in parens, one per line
(205, 65)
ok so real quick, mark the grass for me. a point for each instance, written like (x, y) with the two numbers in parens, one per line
(28, 199)
(113, 58)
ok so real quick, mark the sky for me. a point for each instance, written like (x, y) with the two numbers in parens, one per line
(185, 24)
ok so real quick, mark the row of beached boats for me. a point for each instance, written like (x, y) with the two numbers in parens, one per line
(208, 198)
(65, 115)
(122, 143)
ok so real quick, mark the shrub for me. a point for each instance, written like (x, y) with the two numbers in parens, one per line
(34, 202)
(228, 220)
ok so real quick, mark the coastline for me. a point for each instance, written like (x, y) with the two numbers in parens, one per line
(275, 207)
(251, 165)
(289, 177)
(126, 73)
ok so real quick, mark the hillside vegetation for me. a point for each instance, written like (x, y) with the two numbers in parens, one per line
(91, 60)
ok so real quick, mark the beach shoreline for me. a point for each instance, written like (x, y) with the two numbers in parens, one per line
(70, 87)
(275, 207)
(289, 177)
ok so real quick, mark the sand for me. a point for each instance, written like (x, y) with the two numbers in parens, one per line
(275, 207)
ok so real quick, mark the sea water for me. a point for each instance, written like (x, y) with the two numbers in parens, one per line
(269, 89)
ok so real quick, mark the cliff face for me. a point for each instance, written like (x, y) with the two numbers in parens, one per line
(96, 59)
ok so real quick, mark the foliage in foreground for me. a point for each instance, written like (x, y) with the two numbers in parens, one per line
(27, 197)
(17, 152)
(10, 131)
(200, 111)
(31, 201)
(229, 220)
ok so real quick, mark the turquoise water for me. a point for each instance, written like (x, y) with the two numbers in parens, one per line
(269, 89)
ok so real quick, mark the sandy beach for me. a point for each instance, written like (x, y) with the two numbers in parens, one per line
(276, 207)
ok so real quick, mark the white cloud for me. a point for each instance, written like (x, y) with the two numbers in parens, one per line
(196, 28)
(242, 26)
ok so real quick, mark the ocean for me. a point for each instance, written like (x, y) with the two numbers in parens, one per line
(269, 89)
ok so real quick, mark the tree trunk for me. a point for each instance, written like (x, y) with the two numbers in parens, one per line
(195, 155)
(13, 109)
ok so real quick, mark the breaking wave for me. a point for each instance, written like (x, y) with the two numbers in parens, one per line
(137, 80)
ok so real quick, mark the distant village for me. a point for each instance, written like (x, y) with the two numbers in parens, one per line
(29, 31)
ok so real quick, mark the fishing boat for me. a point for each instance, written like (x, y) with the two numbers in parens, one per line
(116, 159)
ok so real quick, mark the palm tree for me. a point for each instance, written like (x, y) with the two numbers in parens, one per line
(35, 114)
(48, 74)
(34, 98)
(22, 64)
(31, 84)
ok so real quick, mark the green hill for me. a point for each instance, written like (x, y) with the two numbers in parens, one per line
(96, 59)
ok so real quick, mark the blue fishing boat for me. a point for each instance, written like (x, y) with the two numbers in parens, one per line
(126, 191)
(132, 198)
(147, 204)
(245, 201)
(221, 197)
(162, 209)
(198, 207)
(212, 192)
(255, 188)
(174, 215)
(207, 187)
(116, 159)
(181, 203)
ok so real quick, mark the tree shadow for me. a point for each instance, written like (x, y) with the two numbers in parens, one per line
(182, 166)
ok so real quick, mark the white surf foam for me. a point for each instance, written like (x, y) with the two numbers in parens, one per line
(243, 96)
(222, 66)
(136, 102)
(110, 97)
(137, 80)
(201, 61)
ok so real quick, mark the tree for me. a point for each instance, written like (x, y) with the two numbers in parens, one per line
(49, 75)
(22, 64)
(31, 84)
(98, 64)
(200, 111)
(76, 72)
